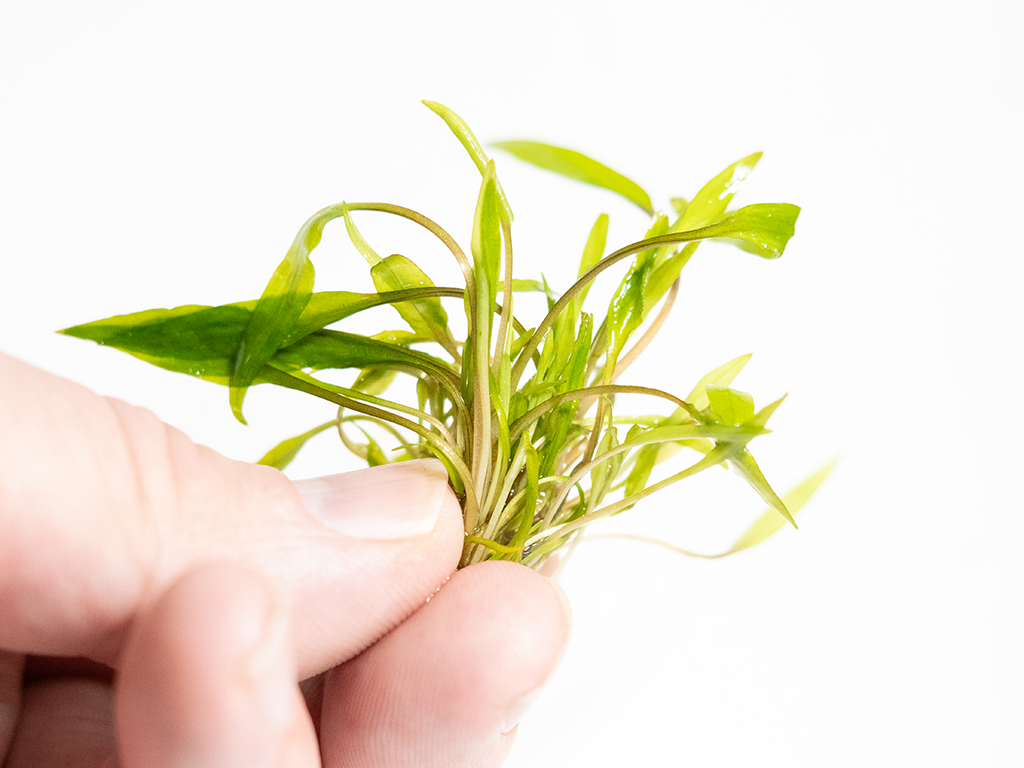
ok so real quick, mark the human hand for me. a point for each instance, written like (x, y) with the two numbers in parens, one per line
(210, 589)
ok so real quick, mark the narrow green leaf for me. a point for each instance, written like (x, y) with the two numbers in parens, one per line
(747, 468)
(666, 272)
(592, 253)
(326, 349)
(486, 242)
(709, 205)
(578, 166)
(771, 521)
(371, 256)
(765, 413)
(680, 204)
(524, 286)
(730, 406)
(476, 152)
(626, 311)
(281, 455)
(768, 226)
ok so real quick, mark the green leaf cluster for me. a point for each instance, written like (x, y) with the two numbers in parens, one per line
(523, 415)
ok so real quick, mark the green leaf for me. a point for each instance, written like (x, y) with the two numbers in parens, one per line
(476, 152)
(578, 166)
(730, 406)
(747, 468)
(326, 349)
(771, 521)
(371, 256)
(203, 341)
(200, 341)
(281, 455)
(525, 286)
(680, 204)
(486, 244)
(374, 381)
(710, 203)
(279, 308)
(426, 317)
(592, 253)
(625, 313)
(721, 376)
(768, 226)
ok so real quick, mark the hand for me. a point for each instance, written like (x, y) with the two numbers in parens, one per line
(159, 604)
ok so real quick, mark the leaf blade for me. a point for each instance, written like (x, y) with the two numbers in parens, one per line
(575, 165)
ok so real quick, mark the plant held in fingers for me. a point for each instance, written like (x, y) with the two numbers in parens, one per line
(523, 415)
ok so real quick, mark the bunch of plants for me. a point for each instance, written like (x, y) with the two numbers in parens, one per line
(522, 412)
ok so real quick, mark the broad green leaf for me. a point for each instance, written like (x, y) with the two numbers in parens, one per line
(200, 341)
(730, 406)
(281, 455)
(203, 341)
(578, 166)
(710, 203)
(476, 152)
(771, 521)
(768, 226)
(426, 317)
(747, 468)
(371, 256)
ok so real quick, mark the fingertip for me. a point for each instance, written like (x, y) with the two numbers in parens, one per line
(448, 686)
(208, 678)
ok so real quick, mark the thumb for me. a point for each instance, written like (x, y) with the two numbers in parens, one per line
(102, 507)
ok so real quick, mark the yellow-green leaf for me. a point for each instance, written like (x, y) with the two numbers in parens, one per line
(578, 166)
(730, 406)
(771, 521)
(281, 455)
(710, 203)
(476, 152)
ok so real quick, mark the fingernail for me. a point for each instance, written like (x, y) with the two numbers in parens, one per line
(522, 705)
(519, 708)
(393, 501)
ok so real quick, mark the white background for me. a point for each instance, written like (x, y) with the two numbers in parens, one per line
(156, 155)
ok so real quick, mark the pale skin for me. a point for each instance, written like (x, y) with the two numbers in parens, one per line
(159, 605)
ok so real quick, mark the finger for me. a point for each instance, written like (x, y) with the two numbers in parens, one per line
(65, 722)
(11, 666)
(208, 679)
(448, 686)
(102, 507)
